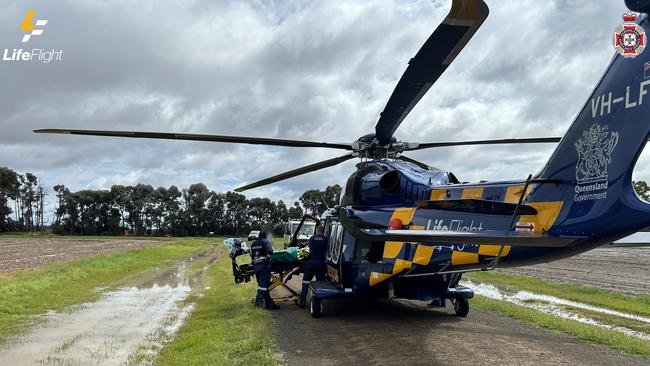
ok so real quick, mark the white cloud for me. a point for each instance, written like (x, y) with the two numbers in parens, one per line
(307, 70)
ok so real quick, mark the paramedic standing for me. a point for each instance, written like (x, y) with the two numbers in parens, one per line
(315, 265)
(261, 250)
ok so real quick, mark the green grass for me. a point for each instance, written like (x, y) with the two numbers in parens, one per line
(627, 344)
(55, 287)
(589, 295)
(225, 328)
(611, 319)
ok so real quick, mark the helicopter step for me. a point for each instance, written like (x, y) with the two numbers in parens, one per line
(459, 292)
(327, 289)
(319, 290)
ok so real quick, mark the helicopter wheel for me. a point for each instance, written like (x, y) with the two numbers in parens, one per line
(315, 307)
(461, 306)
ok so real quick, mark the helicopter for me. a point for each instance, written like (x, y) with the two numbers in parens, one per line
(404, 229)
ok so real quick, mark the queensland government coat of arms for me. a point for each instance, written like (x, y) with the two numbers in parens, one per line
(594, 149)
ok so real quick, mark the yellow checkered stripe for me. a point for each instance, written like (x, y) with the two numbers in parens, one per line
(512, 193)
(402, 256)
(395, 253)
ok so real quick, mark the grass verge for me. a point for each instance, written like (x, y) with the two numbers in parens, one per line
(611, 319)
(57, 286)
(225, 328)
(627, 344)
(589, 295)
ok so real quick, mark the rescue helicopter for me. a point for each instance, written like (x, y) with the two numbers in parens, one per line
(407, 230)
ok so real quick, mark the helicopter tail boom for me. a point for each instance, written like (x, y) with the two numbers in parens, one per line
(591, 168)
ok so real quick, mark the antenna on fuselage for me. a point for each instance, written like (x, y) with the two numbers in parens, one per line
(323, 198)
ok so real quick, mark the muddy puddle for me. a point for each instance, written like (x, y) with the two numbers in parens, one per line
(567, 309)
(127, 325)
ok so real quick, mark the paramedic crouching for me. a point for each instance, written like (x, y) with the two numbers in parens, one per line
(261, 250)
(315, 265)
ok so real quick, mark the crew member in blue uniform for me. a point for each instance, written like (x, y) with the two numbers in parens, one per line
(261, 250)
(315, 265)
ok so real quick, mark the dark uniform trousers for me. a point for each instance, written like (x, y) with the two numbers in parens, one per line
(261, 255)
(263, 277)
(312, 269)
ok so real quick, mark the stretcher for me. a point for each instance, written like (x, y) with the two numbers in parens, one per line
(281, 273)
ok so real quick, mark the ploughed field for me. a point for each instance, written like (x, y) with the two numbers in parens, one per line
(625, 270)
(26, 253)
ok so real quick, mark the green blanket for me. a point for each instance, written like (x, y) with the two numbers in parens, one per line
(291, 254)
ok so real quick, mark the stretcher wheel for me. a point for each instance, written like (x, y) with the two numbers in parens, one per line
(461, 306)
(315, 307)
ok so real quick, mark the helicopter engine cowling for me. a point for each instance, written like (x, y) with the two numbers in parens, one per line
(391, 182)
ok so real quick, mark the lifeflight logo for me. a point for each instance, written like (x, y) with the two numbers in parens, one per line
(28, 26)
(35, 28)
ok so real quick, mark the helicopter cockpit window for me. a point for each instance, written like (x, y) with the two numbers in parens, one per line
(452, 178)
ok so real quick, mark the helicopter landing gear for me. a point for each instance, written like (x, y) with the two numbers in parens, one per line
(461, 306)
(315, 307)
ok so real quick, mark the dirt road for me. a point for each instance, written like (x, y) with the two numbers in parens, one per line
(624, 270)
(409, 333)
(24, 253)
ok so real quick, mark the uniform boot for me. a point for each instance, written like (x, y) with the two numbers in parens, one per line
(259, 298)
(270, 304)
(303, 294)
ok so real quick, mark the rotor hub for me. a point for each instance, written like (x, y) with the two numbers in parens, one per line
(368, 146)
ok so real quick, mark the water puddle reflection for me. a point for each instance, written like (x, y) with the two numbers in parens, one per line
(128, 325)
(559, 307)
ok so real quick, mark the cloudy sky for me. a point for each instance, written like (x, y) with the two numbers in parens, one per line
(313, 70)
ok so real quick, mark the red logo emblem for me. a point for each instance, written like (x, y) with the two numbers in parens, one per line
(629, 37)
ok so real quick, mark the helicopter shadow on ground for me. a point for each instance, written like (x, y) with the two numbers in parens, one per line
(361, 331)
(406, 332)
(377, 309)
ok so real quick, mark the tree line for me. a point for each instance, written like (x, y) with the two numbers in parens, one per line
(144, 210)
(21, 201)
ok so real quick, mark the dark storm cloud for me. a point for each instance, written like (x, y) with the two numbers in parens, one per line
(308, 70)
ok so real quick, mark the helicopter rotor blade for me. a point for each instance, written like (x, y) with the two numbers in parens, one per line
(199, 137)
(299, 171)
(464, 19)
(534, 140)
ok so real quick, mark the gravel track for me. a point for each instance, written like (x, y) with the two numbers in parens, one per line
(398, 332)
(410, 333)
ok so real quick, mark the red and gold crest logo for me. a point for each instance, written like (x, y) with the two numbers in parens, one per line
(629, 37)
